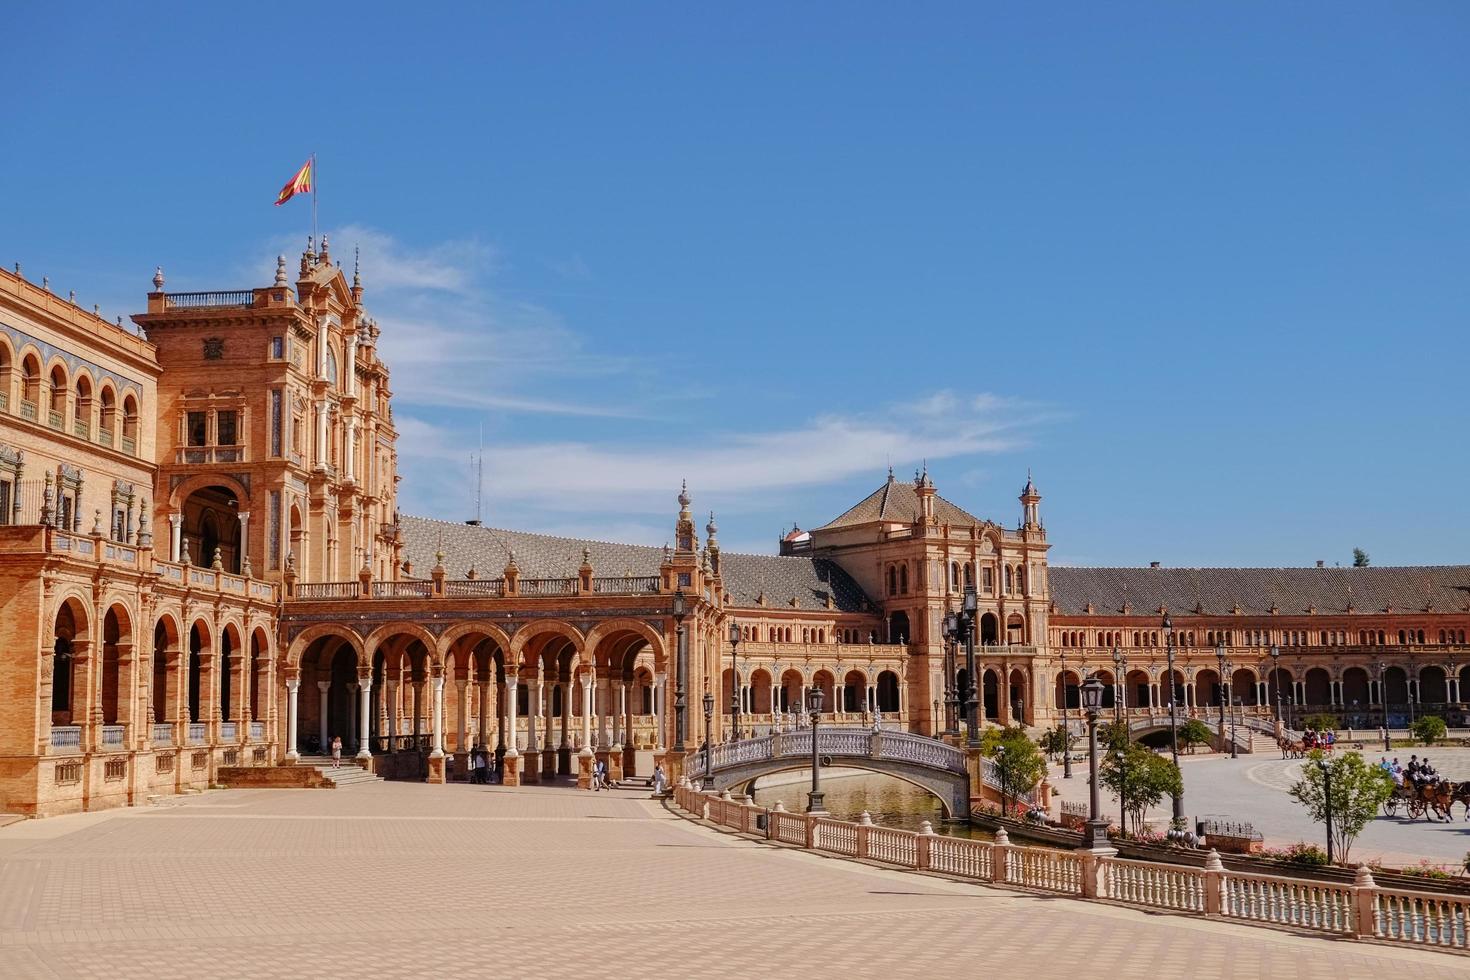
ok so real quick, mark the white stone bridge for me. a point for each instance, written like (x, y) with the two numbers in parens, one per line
(935, 766)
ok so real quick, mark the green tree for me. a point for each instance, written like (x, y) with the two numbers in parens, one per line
(1320, 722)
(1360, 558)
(1055, 741)
(1112, 737)
(1194, 732)
(1429, 729)
(1142, 777)
(1358, 790)
(1019, 763)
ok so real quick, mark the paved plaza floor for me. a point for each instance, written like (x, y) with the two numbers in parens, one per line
(1255, 788)
(408, 880)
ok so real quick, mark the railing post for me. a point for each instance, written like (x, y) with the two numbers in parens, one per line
(365, 581)
(1365, 892)
(771, 819)
(864, 826)
(1091, 866)
(1000, 855)
(811, 831)
(921, 845)
(1214, 883)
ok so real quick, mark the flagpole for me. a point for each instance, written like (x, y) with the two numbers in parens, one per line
(315, 182)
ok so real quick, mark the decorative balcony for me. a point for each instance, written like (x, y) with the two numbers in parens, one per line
(81, 429)
(54, 419)
(208, 300)
(28, 410)
(195, 455)
(228, 731)
(104, 436)
(257, 731)
(66, 737)
(197, 731)
(112, 736)
(163, 733)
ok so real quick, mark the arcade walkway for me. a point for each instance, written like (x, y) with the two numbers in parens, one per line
(408, 880)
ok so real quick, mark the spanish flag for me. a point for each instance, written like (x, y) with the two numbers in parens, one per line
(299, 184)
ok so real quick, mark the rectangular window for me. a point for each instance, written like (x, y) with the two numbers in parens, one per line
(64, 512)
(275, 422)
(197, 427)
(987, 579)
(5, 497)
(224, 429)
(278, 348)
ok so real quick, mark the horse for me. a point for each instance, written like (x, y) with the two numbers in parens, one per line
(1290, 749)
(1461, 794)
(1438, 797)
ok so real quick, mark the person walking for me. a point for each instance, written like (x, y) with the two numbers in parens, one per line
(659, 779)
(336, 751)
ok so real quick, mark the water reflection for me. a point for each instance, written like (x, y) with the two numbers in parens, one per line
(890, 802)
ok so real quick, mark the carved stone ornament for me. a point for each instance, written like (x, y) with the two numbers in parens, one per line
(214, 348)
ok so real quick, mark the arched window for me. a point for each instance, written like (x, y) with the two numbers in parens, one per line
(58, 397)
(1021, 579)
(82, 411)
(954, 576)
(130, 424)
(892, 580)
(903, 579)
(1010, 582)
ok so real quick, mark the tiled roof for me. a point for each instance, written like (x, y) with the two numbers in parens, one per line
(897, 501)
(746, 577)
(1293, 591)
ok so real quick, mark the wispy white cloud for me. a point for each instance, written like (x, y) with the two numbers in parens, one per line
(731, 469)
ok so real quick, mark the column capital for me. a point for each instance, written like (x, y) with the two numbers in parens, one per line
(324, 686)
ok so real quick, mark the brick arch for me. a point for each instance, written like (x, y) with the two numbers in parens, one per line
(460, 631)
(186, 489)
(307, 637)
(528, 633)
(400, 628)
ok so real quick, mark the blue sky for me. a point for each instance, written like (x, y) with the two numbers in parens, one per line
(1202, 267)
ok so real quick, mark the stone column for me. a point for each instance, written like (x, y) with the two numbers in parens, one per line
(323, 687)
(462, 709)
(566, 714)
(175, 534)
(487, 689)
(533, 711)
(619, 691)
(601, 698)
(512, 747)
(587, 681)
(364, 714)
(392, 706)
(418, 716)
(321, 434)
(292, 685)
(438, 752)
(244, 517)
(660, 685)
(349, 445)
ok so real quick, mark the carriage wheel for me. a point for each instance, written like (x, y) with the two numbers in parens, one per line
(1391, 806)
(1416, 808)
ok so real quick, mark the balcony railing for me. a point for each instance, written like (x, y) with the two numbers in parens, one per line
(257, 731)
(327, 590)
(403, 590)
(462, 588)
(195, 301)
(163, 733)
(548, 586)
(228, 730)
(625, 584)
(209, 454)
(28, 410)
(54, 419)
(129, 445)
(112, 736)
(81, 428)
(66, 737)
(104, 436)
(196, 732)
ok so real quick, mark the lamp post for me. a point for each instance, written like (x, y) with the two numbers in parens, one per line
(1067, 728)
(814, 708)
(1276, 678)
(1229, 693)
(1168, 628)
(1239, 706)
(1005, 796)
(1121, 757)
(967, 625)
(1327, 805)
(709, 749)
(735, 691)
(1120, 692)
(1095, 834)
(1220, 689)
(951, 682)
(1411, 688)
(681, 670)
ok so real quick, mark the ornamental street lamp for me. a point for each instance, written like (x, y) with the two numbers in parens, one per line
(1120, 692)
(814, 708)
(1220, 687)
(1168, 628)
(681, 669)
(1066, 727)
(1276, 678)
(967, 625)
(1005, 796)
(1411, 687)
(1095, 834)
(1229, 698)
(735, 678)
(951, 682)
(709, 749)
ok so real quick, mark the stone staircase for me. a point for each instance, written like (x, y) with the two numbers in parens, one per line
(350, 773)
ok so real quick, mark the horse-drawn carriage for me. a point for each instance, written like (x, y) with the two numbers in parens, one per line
(1435, 797)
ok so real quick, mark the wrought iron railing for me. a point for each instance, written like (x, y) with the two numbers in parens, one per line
(187, 301)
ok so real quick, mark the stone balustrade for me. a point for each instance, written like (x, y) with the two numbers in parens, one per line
(1361, 909)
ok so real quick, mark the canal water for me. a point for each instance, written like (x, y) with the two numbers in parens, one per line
(890, 802)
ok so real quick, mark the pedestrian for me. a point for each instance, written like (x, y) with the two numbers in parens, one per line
(336, 751)
(472, 765)
(659, 779)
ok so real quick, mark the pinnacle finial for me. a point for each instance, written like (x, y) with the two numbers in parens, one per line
(158, 279)
(684, 494)
(280, 270)
(326, 254)
(356, 267)
(711, 528)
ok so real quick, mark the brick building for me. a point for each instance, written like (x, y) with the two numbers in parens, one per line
(202, 564)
